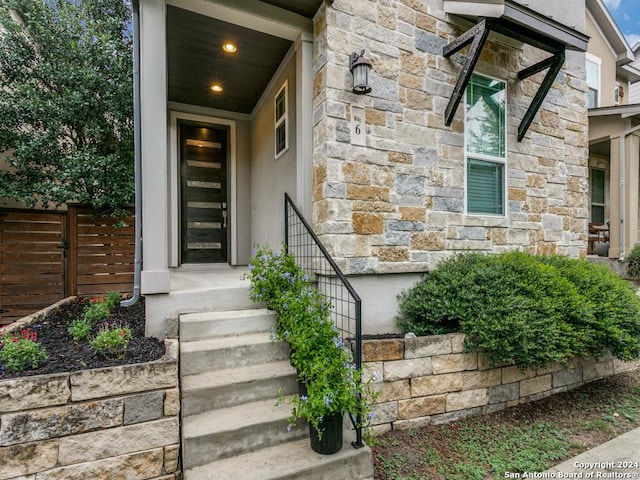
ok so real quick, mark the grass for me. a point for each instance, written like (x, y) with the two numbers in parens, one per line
(526, 438)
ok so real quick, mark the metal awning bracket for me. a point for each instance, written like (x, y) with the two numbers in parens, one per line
(554, 64)
(477, 36)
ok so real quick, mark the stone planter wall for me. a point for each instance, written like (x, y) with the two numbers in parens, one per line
(116, 423)
(431, 380)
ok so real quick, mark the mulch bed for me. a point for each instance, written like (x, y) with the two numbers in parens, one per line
(66, 355)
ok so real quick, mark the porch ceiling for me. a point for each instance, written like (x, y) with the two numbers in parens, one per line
(196, 59)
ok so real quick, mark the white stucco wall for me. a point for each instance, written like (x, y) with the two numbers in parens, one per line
(379, 299)
(271, 177)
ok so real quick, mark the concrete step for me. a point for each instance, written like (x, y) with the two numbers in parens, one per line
(291, 461)
(216, 298)
(230, 352)
(197, 326)
(226, 432)
(235, 386)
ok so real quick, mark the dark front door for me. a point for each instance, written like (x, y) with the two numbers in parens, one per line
(204, 194)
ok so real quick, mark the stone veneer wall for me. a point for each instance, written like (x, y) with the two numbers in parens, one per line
(116, 423)
(426, 380)
(396, 205)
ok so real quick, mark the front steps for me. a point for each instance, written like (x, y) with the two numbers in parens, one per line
(230, 375)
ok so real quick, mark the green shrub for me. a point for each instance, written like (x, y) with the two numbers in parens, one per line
(21, 352)
(80, 329)
(112, 299)
(633, 262)
(111, 342)
(96, 311)
(612, 322)
(526, 310)
(436, 304)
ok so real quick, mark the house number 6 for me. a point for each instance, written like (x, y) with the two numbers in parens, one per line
(358, 126)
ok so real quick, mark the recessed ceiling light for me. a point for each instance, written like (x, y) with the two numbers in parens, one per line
(229, 47)
(216, 87)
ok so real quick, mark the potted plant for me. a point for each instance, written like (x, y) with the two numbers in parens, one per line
(333, 388)
(324, 364)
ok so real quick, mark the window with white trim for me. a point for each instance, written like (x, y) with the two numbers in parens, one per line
(485, 145)
(282, 120)
(616, 94)
(593, 81)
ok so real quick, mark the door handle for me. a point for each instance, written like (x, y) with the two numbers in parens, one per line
(224, 219)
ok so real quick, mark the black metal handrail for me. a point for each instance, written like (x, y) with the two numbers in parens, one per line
(346, 305)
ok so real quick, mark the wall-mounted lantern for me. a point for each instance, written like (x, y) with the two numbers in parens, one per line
(360, 68)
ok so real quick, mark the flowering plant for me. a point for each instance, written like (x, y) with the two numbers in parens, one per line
(273, 274)
(21, 351)
(333, 384)
(323, 362)
(111, 341)
(98, 309)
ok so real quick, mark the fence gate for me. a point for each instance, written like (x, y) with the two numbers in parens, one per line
(32, 266)
(47, 255)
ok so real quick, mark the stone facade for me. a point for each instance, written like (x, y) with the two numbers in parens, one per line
(104, 424)
(398, 204)
(427, 380)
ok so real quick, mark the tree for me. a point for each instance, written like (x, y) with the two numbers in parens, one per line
(66, 102)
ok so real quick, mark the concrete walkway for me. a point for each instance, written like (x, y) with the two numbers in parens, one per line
(618, 458)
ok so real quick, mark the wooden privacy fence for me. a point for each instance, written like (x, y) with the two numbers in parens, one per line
(47, 255)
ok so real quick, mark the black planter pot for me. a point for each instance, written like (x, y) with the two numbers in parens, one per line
(331, 441)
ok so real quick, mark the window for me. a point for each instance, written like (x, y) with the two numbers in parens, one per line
(597, 196)
(485, 146)
(593, 81)
(617, 94)
(282, 122)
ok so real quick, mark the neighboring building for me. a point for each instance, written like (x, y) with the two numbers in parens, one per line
(613, 166)
(634, 89)
(393, 181)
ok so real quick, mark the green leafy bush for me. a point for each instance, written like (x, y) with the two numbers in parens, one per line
(80, 329)
(530, 311)
(21, 352)
(611, 319)
(111, 341)
(633, 262)
(112, 299)
(436, 304)
(96, 311)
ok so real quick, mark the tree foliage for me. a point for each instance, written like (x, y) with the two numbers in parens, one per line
(66, 101)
